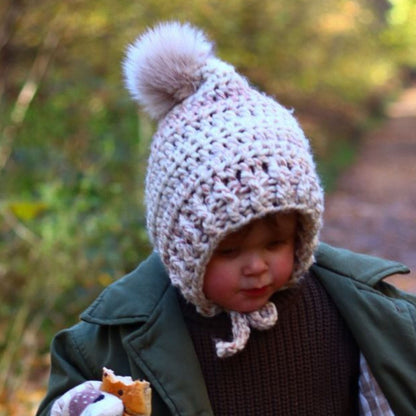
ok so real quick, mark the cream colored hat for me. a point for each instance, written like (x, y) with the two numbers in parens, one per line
(223, 155)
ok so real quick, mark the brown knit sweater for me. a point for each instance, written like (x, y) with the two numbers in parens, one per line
(308, 364)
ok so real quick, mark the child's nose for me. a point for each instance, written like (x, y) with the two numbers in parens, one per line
(255, 264)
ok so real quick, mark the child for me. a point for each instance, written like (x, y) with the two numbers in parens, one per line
(238, 311)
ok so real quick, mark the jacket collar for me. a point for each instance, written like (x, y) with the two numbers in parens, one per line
(132, 298)
(163, 349)
(154, 336)
(359, 267)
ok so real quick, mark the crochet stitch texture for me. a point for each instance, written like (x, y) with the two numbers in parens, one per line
(223, 155)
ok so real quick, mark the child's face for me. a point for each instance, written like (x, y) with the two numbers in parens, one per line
(251, 264)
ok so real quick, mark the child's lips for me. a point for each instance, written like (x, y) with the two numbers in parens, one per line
(256, 292)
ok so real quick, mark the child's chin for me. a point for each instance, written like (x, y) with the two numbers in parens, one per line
(251, 307)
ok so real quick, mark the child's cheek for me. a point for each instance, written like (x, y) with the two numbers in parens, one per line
(219, 279)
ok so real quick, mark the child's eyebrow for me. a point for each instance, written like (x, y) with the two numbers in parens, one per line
(235, 236)
(278, 227)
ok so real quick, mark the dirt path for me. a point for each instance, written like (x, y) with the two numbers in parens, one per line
(373, 209)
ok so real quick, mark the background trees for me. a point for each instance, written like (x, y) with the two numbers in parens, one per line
(73, 149)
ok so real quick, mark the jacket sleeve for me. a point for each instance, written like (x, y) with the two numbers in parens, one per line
(69, 367)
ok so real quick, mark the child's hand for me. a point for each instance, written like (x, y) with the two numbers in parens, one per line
(87, 400)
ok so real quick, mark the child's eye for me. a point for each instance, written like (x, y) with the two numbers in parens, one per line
(228, 252)
(275, 243)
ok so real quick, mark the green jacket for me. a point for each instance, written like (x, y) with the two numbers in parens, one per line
(136, 328)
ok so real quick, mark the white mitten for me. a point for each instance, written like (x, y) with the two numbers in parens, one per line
(87, 400)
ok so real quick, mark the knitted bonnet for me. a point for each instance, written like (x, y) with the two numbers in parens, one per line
(223, 155)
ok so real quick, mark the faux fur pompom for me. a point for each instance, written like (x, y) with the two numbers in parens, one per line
(161, 67)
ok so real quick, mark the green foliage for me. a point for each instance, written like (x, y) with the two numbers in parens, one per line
(73, 149)
(401, 32)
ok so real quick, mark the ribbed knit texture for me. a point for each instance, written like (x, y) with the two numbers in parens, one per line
(307, 364)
